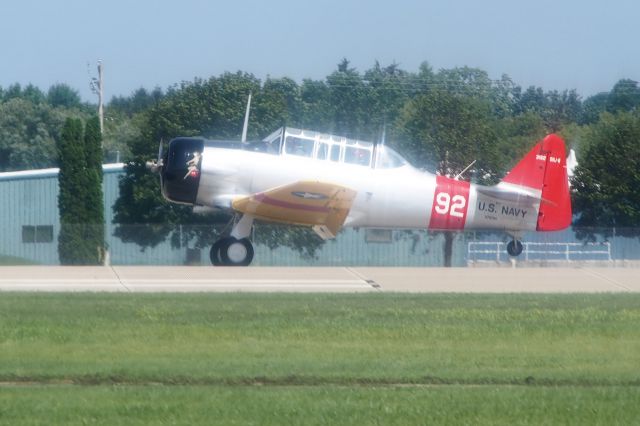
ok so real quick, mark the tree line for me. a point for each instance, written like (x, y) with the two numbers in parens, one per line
(440, 120)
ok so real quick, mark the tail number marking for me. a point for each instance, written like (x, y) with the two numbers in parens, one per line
(453, 206)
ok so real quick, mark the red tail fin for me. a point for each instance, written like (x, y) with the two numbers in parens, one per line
(544, 168)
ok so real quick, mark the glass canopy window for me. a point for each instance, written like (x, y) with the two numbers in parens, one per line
(387, 158)
(326, 147)
(321, 146)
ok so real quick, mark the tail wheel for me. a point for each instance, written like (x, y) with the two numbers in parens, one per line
(514, 248)
(234, 252)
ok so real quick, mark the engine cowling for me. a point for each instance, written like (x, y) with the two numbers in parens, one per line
(180, 175)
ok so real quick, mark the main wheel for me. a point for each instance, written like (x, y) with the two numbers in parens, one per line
(235, 252)
(214, 254)
(514, 248)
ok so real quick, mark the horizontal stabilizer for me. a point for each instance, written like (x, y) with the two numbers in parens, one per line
(507, 195)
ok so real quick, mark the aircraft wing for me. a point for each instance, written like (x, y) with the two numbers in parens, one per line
(324, 206)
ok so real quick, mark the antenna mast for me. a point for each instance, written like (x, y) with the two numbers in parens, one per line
(100, 98)
(98, 88)
(246, 120)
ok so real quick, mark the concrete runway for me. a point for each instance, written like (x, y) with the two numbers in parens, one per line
(318, 279)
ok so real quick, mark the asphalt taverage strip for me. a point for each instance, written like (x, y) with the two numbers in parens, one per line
(317, 279)
(181, 279)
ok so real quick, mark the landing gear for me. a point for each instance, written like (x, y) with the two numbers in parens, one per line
(214, 254)
(236, 249)
(514, 248)
(232, 252)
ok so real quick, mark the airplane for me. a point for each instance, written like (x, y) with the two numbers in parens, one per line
(327, 182)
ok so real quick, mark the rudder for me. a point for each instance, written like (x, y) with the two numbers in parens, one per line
(544, 169)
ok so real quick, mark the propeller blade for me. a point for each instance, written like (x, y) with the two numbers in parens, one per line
(156, 165)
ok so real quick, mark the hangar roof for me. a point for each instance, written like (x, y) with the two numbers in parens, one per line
(42, 173)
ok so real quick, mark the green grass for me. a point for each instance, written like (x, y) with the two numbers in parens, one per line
(112, 405)
(312, 359)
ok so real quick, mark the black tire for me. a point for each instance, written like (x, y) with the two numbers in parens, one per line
(514, 248)
(235, 252)
(214, 254)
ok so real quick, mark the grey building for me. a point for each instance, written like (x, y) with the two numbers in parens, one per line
(29, 227)
(30, 224)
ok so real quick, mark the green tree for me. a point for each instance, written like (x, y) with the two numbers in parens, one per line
(12, 92)
(317, 111)
(30, 123)
(33, 94)
(141, 100)
(592, 107)
(62, 95)
(465, 81)
(94, 203)
(625, 96)
(71, 180)
(27, 134)
(557, 109)
(606, 181)
(80, 201)
(276, 104)
(347, 97)
(387, 90)
(445, 131)
(516, 137)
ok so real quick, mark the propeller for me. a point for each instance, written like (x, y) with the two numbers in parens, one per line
(156, 165)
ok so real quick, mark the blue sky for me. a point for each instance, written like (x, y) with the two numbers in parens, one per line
(583, 45)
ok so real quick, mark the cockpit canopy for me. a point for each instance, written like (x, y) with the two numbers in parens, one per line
(326, 147)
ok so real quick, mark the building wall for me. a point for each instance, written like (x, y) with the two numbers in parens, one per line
(121, 253)
(31, 199)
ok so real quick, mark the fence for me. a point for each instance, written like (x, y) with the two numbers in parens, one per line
(277, 246)
(495, 251)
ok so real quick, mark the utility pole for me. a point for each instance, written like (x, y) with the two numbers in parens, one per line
(98, 88)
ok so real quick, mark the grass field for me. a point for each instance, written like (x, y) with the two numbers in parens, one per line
(319, 359)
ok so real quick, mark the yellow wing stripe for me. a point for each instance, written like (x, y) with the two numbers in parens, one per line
(301, 203)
